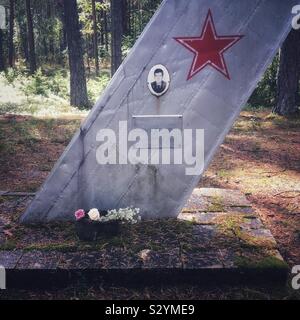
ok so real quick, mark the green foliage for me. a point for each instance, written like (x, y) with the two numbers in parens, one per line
(58, 84)
(265, 93)
(45, 85)
(104, 54)
(97, 85)
(36, 84)
(85, 15)
(51, 48)
(10, 75)
(127, 44)
(265, 263)
(45, 93)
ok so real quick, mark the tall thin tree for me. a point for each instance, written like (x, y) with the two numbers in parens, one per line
(125, 19)
(288, 76)
(2, 62)
(31, 45)
(105, 30)
(63, 33)
(116, 34)
(11, 49)
(95, 37)
(49, 12)
(23, 39)
(78, 87)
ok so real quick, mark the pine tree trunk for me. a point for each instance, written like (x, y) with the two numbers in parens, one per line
(140, 10)
(101, 27)
(2, 63)
(63, 35)
(11, 49)
(95, 37)
(129, 17)
(23, 39)
(125, 17)
(105, 29)
(31, 46)
(51, 53)
(116, 34)
(288, 76)
(78, 87)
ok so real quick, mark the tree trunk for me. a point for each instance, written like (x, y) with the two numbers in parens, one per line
(140, 14)
(63, 35)
(31, 46)
(125, 14)
(129, 17)
(45, 49)
(101, 27)
(11, 49)
(51, 54)
(95, 37)
(2, 63)
(105, 29)
(288, 76)
(23, 39)
(116, 34)
(78, 87)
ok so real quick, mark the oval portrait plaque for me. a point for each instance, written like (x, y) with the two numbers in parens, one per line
(158, 80)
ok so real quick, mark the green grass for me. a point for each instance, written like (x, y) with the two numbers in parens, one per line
(46, 93)
(270, 262)
(31, 133)
(285, 123)
(216, 205)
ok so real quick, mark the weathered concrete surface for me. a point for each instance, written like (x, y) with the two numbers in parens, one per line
(208, 101)
(10, 259)
(228, 245)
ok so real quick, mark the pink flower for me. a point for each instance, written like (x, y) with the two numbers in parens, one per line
(79, 214)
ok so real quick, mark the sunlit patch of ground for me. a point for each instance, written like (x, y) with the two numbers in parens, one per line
(29, 148)
(13, 100)
(261, 157)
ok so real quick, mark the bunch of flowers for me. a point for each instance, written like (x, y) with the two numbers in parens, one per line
(93, 215)
(130, 215)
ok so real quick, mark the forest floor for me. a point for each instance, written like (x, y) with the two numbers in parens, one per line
(260, 157)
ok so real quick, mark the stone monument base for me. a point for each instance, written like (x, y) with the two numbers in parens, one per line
(217, 238)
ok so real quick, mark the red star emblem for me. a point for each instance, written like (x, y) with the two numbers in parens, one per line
(208, 48)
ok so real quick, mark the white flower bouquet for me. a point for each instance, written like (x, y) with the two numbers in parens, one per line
(129, 215)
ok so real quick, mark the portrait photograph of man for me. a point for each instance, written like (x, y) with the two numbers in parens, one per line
(159, 85)
(158, 80)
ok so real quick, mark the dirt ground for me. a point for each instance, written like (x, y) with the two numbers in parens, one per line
(260, 157)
